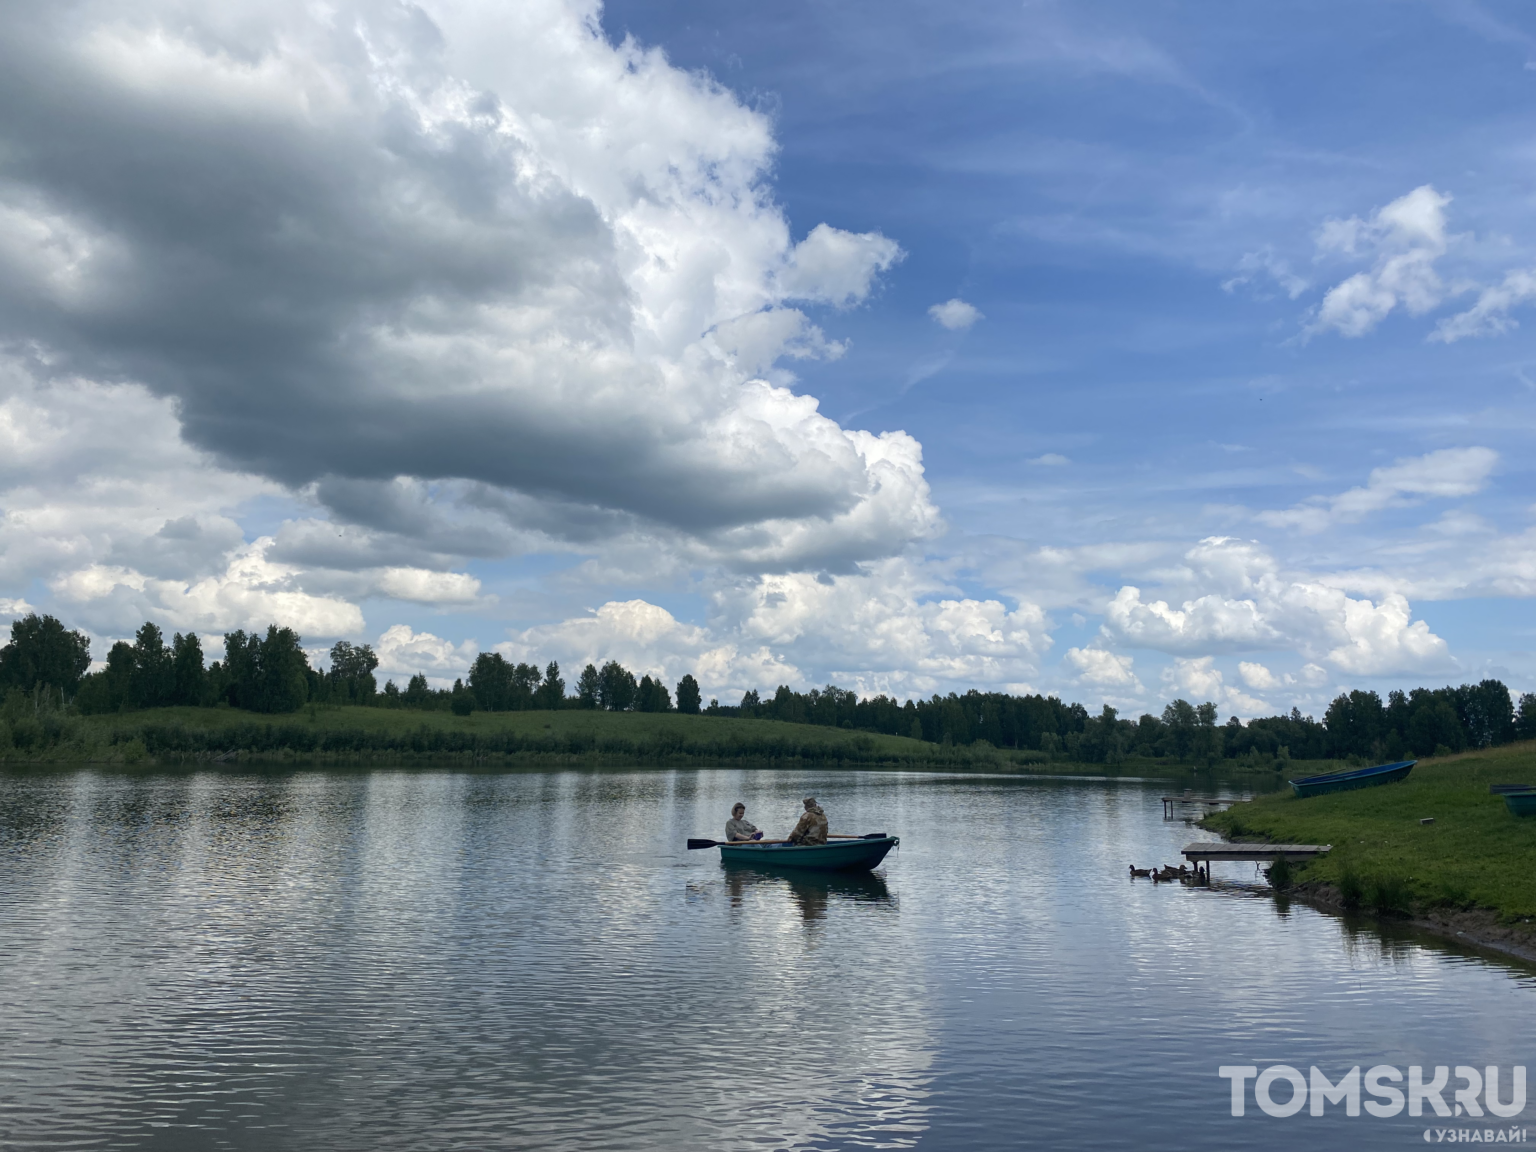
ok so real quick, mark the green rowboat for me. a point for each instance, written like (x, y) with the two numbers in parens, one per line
(1521, 803)
(835, 856)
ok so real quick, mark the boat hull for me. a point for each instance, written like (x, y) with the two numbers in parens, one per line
(834, 856)
(1348, 781)
(1521, 803)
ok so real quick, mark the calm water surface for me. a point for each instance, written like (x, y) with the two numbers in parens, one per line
(431, 959)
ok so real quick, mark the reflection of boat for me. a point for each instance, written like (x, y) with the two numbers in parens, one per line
(812, 891)
(1521, 803)
(835, 856)
(1356, 778)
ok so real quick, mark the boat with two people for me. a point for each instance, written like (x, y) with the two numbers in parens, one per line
(838, 854)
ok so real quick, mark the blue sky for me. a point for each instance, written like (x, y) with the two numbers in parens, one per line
(1246, 413)
(1090, 176)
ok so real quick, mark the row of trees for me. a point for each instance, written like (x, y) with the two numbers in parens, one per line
(270, 673)
(261, 673)
(1422, 722)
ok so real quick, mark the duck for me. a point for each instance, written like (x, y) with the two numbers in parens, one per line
(1168, 873)
(1135, 871)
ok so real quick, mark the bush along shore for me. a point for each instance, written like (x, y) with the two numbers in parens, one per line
(1437, 850)
(356, 735)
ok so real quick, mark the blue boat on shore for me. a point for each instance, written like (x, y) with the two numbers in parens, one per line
(1521, 803)
(1355, 778)
(838, 855)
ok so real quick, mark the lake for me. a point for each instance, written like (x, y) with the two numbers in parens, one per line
(419, 959)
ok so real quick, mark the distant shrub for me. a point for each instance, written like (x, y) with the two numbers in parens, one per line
(1281, 874)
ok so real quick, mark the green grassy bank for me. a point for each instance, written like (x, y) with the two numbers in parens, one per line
(1475, 855)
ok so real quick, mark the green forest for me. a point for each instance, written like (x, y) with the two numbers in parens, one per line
(45, 680)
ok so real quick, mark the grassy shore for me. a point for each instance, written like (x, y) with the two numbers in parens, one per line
(1476, 856)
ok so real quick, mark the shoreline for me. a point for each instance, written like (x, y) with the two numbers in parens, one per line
(1476, 928)
(1437, 852)
(386, 758)
(352, 735)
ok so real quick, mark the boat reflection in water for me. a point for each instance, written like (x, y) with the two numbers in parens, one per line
(812, 891)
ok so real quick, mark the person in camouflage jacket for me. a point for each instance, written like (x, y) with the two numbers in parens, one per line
(812, 828)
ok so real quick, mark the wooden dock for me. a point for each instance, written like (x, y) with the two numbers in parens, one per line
(1220, 851)
(1171, 802)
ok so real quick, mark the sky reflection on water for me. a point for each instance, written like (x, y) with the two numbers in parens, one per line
(397, 959)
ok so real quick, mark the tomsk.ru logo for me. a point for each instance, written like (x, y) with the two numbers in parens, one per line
(1378, 1083)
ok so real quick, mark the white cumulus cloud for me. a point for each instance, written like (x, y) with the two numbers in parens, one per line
(649, 640)
(1249, 604)
(1199, 680)
(424, 586)
(895, 629)
(1103, 669)
(1258, 677)
(956, 314)
(549, 269)
(837, 267)
(403, 653)
(250, 591)
(1403, 240)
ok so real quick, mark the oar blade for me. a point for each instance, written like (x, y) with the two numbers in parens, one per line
(692, 844)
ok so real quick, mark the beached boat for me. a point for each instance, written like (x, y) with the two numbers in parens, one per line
(1521, 803)
(840, 855)
(1355, 778)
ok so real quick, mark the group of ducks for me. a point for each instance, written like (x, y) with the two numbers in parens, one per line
(1167, 873)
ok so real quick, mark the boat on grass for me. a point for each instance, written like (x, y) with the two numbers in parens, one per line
(850, 854)
(1521, 803)
(1355, 778)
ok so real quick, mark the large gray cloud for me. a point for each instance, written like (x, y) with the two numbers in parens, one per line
(456, 242)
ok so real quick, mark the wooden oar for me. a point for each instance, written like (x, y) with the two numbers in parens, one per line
(693, 844)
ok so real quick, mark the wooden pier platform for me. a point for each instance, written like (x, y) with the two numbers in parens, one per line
(1219, 851)
(1170, 802)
